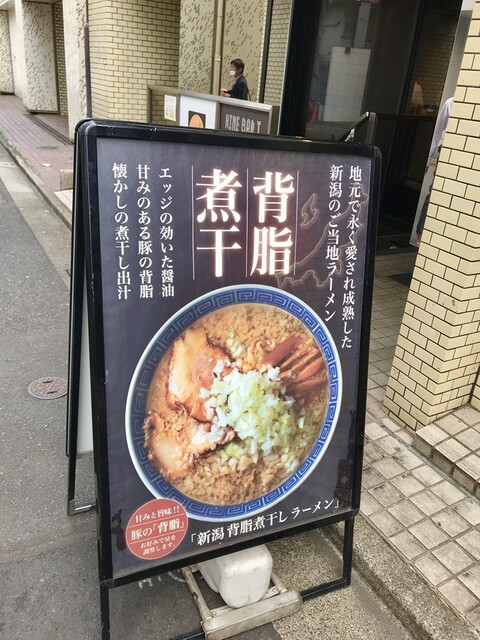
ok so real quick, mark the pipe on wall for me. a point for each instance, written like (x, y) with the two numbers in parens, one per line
(217, 46)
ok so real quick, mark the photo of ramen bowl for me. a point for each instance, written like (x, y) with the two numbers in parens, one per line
(234, 402)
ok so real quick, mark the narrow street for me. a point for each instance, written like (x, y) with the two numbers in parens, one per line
(48, 559)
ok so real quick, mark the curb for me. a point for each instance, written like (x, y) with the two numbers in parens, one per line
(62, 211)
(406, 594)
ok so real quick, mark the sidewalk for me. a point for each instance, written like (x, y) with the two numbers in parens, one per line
(417, 498)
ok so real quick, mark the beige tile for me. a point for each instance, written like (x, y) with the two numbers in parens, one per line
(474, 618)
(406, 513)
(470, 541)
(386, 494)
(469, 415)
(378, 393)
(428, 534)
(375, 431)
(424, 448)
(368, 504)
(407, 484)
(451, 424)
(390, 445)
(468, 509)
(428, 502)
(442, 462)
(388, 467)
(432, 434)
(432, 569)
(452, 449)
(407, 459)
(379, 379)
(453, 557)
(408, 545)
(458, 596)
(447, 492)
(471, 466)
(386, 523)
(464, 480)
(406, 437)
(371, 477)
(427, 475)
(471, 579)
(451, 522)
(470, 438)
(372, 453)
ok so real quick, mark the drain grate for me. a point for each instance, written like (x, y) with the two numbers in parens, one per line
(48, 388)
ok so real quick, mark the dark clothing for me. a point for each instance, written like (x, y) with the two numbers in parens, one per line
(239, 89)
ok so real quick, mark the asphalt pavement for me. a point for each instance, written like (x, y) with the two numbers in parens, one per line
(48, 559)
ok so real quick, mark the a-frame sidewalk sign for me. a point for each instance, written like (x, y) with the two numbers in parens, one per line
(221, 303)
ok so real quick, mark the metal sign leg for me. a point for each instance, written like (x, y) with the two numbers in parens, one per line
(105, 612)
(348, 551)
(345, 580)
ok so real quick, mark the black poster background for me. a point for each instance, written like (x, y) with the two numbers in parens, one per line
(129, 324)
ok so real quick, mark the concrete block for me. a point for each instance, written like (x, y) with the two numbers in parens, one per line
(242, 577)
(66, 179)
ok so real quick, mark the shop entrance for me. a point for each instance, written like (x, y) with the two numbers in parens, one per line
(387, 57)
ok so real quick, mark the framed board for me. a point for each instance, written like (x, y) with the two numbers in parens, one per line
(228, 285)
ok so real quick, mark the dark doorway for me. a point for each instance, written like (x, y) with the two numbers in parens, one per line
(390, 57)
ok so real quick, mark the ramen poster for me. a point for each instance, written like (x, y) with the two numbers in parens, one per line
(232, 282)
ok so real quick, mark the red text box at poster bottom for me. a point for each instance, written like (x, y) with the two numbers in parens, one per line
(156, 529)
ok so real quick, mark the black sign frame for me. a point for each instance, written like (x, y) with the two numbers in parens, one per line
(86, 256)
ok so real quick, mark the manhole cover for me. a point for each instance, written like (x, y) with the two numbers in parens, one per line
(48, 388)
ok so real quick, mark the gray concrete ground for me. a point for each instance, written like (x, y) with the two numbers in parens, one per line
(48, 564)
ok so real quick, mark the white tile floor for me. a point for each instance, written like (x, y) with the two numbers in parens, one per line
(422, 512)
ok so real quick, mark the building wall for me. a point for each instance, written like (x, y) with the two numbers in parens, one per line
(74, 18)
(6, 73)
(243, 38)
(132, 44)
(17, 48)
(277, 53)
(437, 357)
(197, 22)
(38, 41)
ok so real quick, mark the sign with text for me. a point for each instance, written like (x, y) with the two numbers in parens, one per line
(244, 118)
(229, 302)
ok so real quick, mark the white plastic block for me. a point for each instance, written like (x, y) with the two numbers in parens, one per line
(241, 578)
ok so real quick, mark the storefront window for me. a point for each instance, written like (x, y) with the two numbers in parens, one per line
(342, 56)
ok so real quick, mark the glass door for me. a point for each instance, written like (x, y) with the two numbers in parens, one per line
(341, 63)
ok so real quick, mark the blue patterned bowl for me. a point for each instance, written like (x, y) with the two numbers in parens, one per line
(174, 327)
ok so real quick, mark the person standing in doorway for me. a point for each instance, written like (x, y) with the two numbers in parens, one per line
(239, 88)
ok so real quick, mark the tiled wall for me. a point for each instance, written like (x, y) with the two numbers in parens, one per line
(437, 357)
(41, 86)
(132, 44)
(6, 73)
(277, 51)
(60, 58)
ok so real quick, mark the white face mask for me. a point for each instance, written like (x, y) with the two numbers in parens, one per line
(232, 72)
